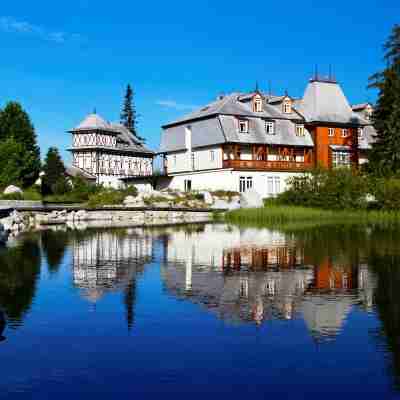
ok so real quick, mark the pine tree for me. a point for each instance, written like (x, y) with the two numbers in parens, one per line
(128, 114)
(54, 180)
(15, 123)
(384, 157)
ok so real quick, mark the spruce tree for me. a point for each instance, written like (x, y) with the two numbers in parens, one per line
(54, 180)
(384, 157)
(128, 114)
(15, 123)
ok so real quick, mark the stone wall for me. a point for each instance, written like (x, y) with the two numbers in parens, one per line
(20, 204)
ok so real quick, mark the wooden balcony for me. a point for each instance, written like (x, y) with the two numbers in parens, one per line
(259, 165)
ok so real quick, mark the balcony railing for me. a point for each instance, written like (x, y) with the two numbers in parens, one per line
(268, 165)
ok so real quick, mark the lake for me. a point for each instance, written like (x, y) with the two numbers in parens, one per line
(201, 311)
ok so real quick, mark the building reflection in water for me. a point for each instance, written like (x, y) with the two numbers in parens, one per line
(109, 261)
(260, 275)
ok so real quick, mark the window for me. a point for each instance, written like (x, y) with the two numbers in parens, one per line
(270, 127)
(243, 126)
(188, 185)
(245, 184)
(193, 160)
(270, 186)
(277, 185)
(331, 132)
(345, 133)
(360, 133)
(299, 129)
(287, 106)
(341, 159)
(257, 104)
(174, 161)
(212, 155)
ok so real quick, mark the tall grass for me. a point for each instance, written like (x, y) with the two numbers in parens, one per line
(280, 215)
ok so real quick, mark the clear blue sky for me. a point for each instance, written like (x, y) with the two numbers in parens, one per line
(61, 59)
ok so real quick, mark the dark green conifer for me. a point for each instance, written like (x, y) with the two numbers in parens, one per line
(128, 114)
(54, 180)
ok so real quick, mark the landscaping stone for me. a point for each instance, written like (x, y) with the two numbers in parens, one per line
(12, 189)
(251, 199)
(208, 198)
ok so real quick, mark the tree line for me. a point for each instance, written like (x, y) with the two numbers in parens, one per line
(20, 162)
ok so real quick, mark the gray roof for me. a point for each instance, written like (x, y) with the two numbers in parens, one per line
(127, 141)
(285, 132)
(361, 106)
(75, 171)
(325, 101)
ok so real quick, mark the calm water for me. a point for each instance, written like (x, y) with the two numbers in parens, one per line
(201, 311)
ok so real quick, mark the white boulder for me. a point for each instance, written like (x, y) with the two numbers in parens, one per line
(251, 199)
(12, 189)
(208, 198)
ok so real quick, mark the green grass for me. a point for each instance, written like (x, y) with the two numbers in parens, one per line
(284, 216)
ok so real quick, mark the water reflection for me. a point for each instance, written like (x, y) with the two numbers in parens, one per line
(245, 275)
(19, 273)
(110, 261)
(328, 283)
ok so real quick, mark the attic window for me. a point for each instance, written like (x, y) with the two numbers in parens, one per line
(345, 133)
(300, 130)
(270, 127)
(257, 104)
(331, 132)
(243, 126)
(287, 106)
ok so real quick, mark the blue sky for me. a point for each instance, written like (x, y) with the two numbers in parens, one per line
(63, 59)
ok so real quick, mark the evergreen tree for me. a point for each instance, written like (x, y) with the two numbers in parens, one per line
(128, 114)
(15, 162)
(54, 181)
(384, 157)
(15, 123)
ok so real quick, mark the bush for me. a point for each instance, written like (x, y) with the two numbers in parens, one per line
(106, 197)
(387, 193)
(330, 189)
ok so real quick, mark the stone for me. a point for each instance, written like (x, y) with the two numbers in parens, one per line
(12, 189)
(130, 200)
(208, 198)
(251, 199)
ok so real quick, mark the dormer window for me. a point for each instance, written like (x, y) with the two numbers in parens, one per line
(270, 127)
(360, 132)
(287, 106)
(368, 113)
(331, 132)
(243, 126)
(257, 107)
(345, 133)
(300, 130)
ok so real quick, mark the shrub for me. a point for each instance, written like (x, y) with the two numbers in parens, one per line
(387, 193)
(332, 189)
(106, 197)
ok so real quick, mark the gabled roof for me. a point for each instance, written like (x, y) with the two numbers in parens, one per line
(325, 101)
(235, 104)
(125, 136)
(75, 172)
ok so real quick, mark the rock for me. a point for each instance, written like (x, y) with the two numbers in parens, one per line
(12, 189)
(130, 200)
(251, 199)
(208, 198)
(81, 215)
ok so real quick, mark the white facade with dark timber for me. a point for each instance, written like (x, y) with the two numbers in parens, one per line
(109, 152)
(256, 141)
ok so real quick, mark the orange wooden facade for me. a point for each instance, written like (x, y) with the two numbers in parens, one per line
(322, 143)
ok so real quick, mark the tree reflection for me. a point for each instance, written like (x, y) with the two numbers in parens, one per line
(19, 272)
(54, 244)
(387, 300)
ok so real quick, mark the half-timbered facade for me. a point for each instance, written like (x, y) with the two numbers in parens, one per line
(257, 141)
(109, 152)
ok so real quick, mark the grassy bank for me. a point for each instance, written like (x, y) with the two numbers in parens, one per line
(280, 215)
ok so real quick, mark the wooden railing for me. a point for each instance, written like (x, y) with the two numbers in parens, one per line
(268, 165)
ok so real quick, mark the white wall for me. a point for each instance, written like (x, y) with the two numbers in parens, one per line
(227, 179)
(182, 162)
